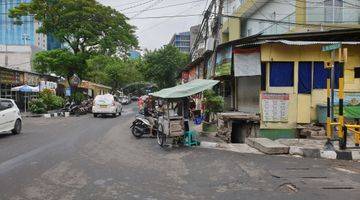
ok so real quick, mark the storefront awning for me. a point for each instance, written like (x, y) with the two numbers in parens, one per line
(185, 90)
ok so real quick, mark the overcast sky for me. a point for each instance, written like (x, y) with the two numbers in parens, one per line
(154, 33)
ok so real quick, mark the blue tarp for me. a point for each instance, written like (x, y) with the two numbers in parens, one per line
(304, 84)
(281, 74)
(320, 74)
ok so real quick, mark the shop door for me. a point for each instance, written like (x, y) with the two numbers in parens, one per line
(304, 92)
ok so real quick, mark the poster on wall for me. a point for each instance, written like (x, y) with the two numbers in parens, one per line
(223, 62)
(350, 98)
(275, 107)
(247, 62)
(11, 77)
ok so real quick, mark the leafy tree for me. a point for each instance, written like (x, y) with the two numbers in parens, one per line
(162, 66)
(83, 25)
(86, 27)
(114, 71)
(121, 73)
(60, 62)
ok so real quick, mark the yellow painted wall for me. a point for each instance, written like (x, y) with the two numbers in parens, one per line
(298, 107)
(234, 29)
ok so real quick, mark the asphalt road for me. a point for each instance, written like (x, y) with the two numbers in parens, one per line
(98, 158)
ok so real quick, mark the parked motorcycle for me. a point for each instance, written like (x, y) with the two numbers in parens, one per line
(141, 126)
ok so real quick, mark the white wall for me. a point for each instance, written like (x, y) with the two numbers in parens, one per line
(19, 57)
(283, 10)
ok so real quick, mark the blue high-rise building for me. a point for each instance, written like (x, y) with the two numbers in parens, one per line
(181, 41)
(24, 34)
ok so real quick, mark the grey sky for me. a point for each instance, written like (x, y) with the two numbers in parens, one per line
(153, 33)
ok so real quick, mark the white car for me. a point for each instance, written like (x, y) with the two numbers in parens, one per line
(10, 118)
(106, 104)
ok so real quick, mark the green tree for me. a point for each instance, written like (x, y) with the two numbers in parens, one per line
(60, 62)
(162, 66)
(86, 27)
(120, 73)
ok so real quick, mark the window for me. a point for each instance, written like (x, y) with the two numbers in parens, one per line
(333, 11)
(281, 74)
(304, 75)
(4, 104)
(357, 72)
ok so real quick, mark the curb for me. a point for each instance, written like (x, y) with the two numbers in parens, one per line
(317, 153)
(57, 114)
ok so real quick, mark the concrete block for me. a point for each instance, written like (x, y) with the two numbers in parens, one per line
(294, 150)
(208, 144)
(47, 115)
(67, 114)
(355, 155)
(267, 146)
(311, 153)
(55, 114)
(328, 154)
(344, 155)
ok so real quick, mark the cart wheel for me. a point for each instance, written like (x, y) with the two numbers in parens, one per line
(161, 137)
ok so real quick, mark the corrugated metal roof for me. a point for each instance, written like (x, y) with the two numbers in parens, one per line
(297, 43)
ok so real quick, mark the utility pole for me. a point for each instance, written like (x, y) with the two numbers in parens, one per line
(216, 33)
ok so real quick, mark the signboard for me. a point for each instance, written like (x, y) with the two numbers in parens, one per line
(32, 79)
(247, 62)
(223, 62)
(11, 77)
(275, 107)
(350, 98)
(68, 92)
(331, 47)
(47, 85)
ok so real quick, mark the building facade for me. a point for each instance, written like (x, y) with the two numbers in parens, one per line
(24, 34)
(251, 17)
(181, 41)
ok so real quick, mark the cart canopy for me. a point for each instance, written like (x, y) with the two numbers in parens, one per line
(185, 90)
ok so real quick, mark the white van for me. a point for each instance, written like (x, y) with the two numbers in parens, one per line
(10, 118)
(106, 104)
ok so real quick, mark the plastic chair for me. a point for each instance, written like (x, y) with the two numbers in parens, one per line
(190, 139)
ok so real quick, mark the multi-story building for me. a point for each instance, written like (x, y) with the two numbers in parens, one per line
(181, 41)
(24, 34)
(281, 16)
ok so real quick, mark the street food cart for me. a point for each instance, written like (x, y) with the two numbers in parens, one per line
(171, 123)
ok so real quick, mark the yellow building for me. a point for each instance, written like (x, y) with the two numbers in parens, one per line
(282, 78)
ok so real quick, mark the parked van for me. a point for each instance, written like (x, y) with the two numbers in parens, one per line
(106, 104)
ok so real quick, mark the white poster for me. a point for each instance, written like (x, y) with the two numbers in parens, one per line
(247, 62)
(275, 107)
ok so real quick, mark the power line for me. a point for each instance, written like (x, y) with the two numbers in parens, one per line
(155, 25)
(167, 16)
(168, 6)
(144, 10)
(137, 5)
